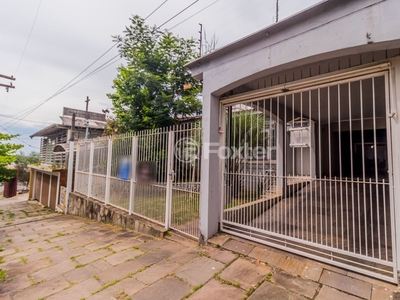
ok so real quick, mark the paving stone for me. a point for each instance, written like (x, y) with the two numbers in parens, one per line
(125, 287)
(60, 256)
(81, 290)
(125, 245)
(295, 284)
(156, 272)
(43, 289)
(100, 244)
(53, 271)
(120, 271)
(293, 266)
(167, 288)
(213, 290)
(245, 273)
(218, 239)
(199, 270)
(30, 267)
(384, 293)
(239, 247)
(153, 244)
(261, 254)
(14, 284)
(274, 292)
(150, 258)
(81, 274)
(312, 271)
(327, 293)
(122, 256)
(184, 256)
(222, 255)
(92, 256)
(349, 285)
(388, 285)
(101, 265)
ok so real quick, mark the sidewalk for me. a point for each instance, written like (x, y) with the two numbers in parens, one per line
(46, 255)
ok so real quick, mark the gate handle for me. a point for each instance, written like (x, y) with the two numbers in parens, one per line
(172, 175)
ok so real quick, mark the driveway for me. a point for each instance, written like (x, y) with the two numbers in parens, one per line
(46, 255)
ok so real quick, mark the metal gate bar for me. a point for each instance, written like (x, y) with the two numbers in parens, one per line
(312, 173)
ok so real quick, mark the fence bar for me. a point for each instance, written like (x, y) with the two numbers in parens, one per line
(132, 192)
(170, 177)
(89, 193)
(108, 179)
(70, 174)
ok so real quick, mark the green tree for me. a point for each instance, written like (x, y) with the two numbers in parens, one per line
(23, 161)
(154, 88)
(7, 156)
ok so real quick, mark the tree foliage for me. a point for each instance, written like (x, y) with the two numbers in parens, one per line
(154, 88)
(23, 161)
(7, 156)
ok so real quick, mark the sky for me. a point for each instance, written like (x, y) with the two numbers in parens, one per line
(45, 44)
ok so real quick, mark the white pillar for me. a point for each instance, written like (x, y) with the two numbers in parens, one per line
(211, 186)
(70, 173)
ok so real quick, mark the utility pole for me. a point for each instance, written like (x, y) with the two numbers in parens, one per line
(201, 39)
(7, 86)
(87, 117)
(277, 11)
(72, 136)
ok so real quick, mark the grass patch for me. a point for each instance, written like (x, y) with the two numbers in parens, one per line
(1, 259)
(1, 249)
(30, 240)
(24, 260)
(40, 249)
(268, 277)
(11, 215)
(8, 223)
(79, 266)
(3, 275)
(204, 254)
(60, 234)
(25, 212)
(96, 277)
(9, 240)
(1, 212)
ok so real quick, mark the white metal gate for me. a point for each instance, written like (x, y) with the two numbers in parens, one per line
(309, 171)
(162, 177)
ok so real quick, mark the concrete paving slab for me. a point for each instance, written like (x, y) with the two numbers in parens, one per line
(169, 288)
(101, 265)
(239, 247)
(28, 268)
(296, 284)
(117, 258)
(222, 255)
(312, 271)
(53, 271)
(79, 291)
(156, 272)
(125, 244)
(184, 256)
(327, 293)
(153, 257)
(121, 290)
(219, 239)
(92, 256)
(81, 274)
(120, 271)
(14, 284)
(245, 273)
(349, 285)
(269, 291)
(43, 289)
(199, 270)
(384, 293)
(214, 290)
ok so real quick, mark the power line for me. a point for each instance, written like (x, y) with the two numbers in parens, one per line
(31, 121)
(29, 37)
(170, 19)
(193, 15)
(19, 138)
(155, 10)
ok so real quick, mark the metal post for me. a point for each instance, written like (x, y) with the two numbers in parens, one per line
(87, 117)
(170, 179)
(133, 174)
(89, 193)
(70, 173)
(108, 175)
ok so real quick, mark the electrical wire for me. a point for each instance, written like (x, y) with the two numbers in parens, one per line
(170, 19)
(29, 37)
(193, 15)
(155, 10)
(31, 121)
(19, 138)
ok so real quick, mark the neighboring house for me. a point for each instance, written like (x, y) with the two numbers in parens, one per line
(326, 184)
(49, 179)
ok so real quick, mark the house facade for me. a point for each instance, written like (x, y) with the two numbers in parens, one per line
(301, 136)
